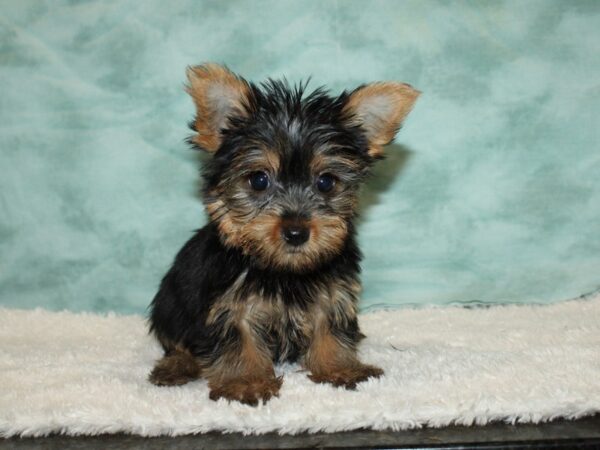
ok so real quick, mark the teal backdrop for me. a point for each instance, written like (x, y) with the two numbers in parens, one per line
(491, 192)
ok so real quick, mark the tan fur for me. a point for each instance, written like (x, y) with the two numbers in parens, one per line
(251, 359)
(229, 305)
(217, 94)
(229, 226)
(329, 358)
(330, 361)
(176, 368)
(328, 234)
(380, 109)
(247, 390)
(321, 163)
(259, 158)
(256, 314)
(341, 302)
(244, 373)
(261, 237)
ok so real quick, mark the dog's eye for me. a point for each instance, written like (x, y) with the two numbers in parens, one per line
(325, 182)
(259, 181)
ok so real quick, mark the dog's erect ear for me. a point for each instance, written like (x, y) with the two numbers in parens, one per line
(380, 109)
(218, 94)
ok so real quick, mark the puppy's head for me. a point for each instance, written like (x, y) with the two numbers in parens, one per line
(283, 181)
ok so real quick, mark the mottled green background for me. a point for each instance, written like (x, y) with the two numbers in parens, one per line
(491, 192)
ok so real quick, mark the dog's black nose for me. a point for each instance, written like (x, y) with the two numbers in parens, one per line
(295, 234)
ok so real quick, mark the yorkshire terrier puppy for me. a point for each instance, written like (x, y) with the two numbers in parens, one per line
(274, 276)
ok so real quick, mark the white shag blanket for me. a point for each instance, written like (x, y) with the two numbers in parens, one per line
(86, 374)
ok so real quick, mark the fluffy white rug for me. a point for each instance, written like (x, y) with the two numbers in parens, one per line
(86, 374)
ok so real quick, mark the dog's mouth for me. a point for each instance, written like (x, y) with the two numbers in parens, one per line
(293, 251)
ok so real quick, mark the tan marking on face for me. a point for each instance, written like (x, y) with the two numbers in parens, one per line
(314, 230)
(259, 158)
(275, 234)
(318, 163)
(261, 237)
(216, 208)
(322, 163)
(272, 158)
(229, 227)
(328, 234)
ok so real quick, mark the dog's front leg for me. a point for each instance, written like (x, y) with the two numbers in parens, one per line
(331, 360)
(243, 369)
(332, 353)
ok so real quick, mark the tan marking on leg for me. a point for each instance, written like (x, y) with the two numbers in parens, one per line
(245, 372)
(329, 358)
(177, 368)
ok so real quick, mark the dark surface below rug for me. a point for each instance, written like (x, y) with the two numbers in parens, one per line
(560, 434)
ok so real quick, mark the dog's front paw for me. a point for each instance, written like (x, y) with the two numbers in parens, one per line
(175, 370)
(247, 390)
(347, 377)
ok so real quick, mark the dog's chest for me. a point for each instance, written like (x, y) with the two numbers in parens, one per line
(286, 327)
(272, 313)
